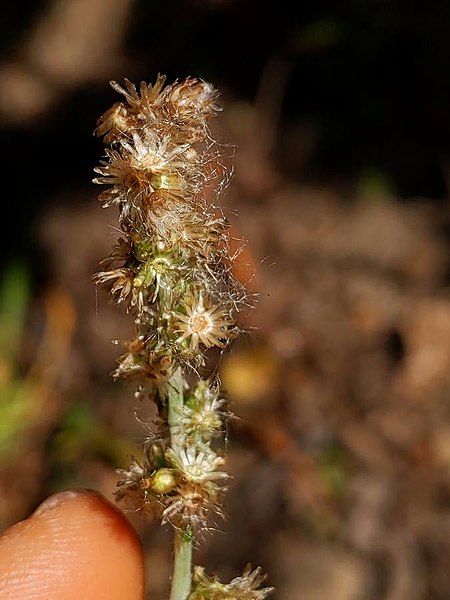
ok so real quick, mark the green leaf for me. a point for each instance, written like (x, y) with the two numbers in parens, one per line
(14, 295)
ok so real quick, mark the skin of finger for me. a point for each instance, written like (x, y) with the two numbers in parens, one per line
(76, 545)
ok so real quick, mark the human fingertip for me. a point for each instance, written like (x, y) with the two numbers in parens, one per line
(75, 545)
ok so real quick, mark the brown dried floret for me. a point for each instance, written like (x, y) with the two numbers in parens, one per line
(113, 123)
(144, 103)
(123, 284)
(193, 507)
(191, 98)
(245, 587)
(143, 364)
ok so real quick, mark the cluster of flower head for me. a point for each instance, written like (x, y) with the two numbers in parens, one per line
(246, 587)
(182, 482)
(172, 268)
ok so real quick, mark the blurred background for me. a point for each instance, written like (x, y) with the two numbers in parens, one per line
(339, 112)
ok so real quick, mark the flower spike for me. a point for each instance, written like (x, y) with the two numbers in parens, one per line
(172, 268)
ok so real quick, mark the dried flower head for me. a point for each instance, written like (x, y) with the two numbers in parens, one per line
(193, 507)
(113, 123)
(246, 587)
(210, 325)
(203, 413)
(197, 466)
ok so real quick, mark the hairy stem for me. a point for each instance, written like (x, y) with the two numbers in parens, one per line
(181, 578)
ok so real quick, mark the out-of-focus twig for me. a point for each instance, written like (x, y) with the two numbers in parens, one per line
(73, 42)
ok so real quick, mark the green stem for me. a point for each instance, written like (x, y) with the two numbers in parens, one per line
(181, 578)
(176, 399)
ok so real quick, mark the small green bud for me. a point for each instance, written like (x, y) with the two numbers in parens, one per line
(163, 481)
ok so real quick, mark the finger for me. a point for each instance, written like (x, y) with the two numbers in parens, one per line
(75, 546)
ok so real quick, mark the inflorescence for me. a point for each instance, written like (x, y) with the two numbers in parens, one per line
(173, 269)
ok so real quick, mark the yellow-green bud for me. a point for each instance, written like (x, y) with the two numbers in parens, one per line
(163, 481)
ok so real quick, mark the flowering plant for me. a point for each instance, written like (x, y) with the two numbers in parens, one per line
(173, 268)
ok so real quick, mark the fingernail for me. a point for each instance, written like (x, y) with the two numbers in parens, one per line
(60, 498)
